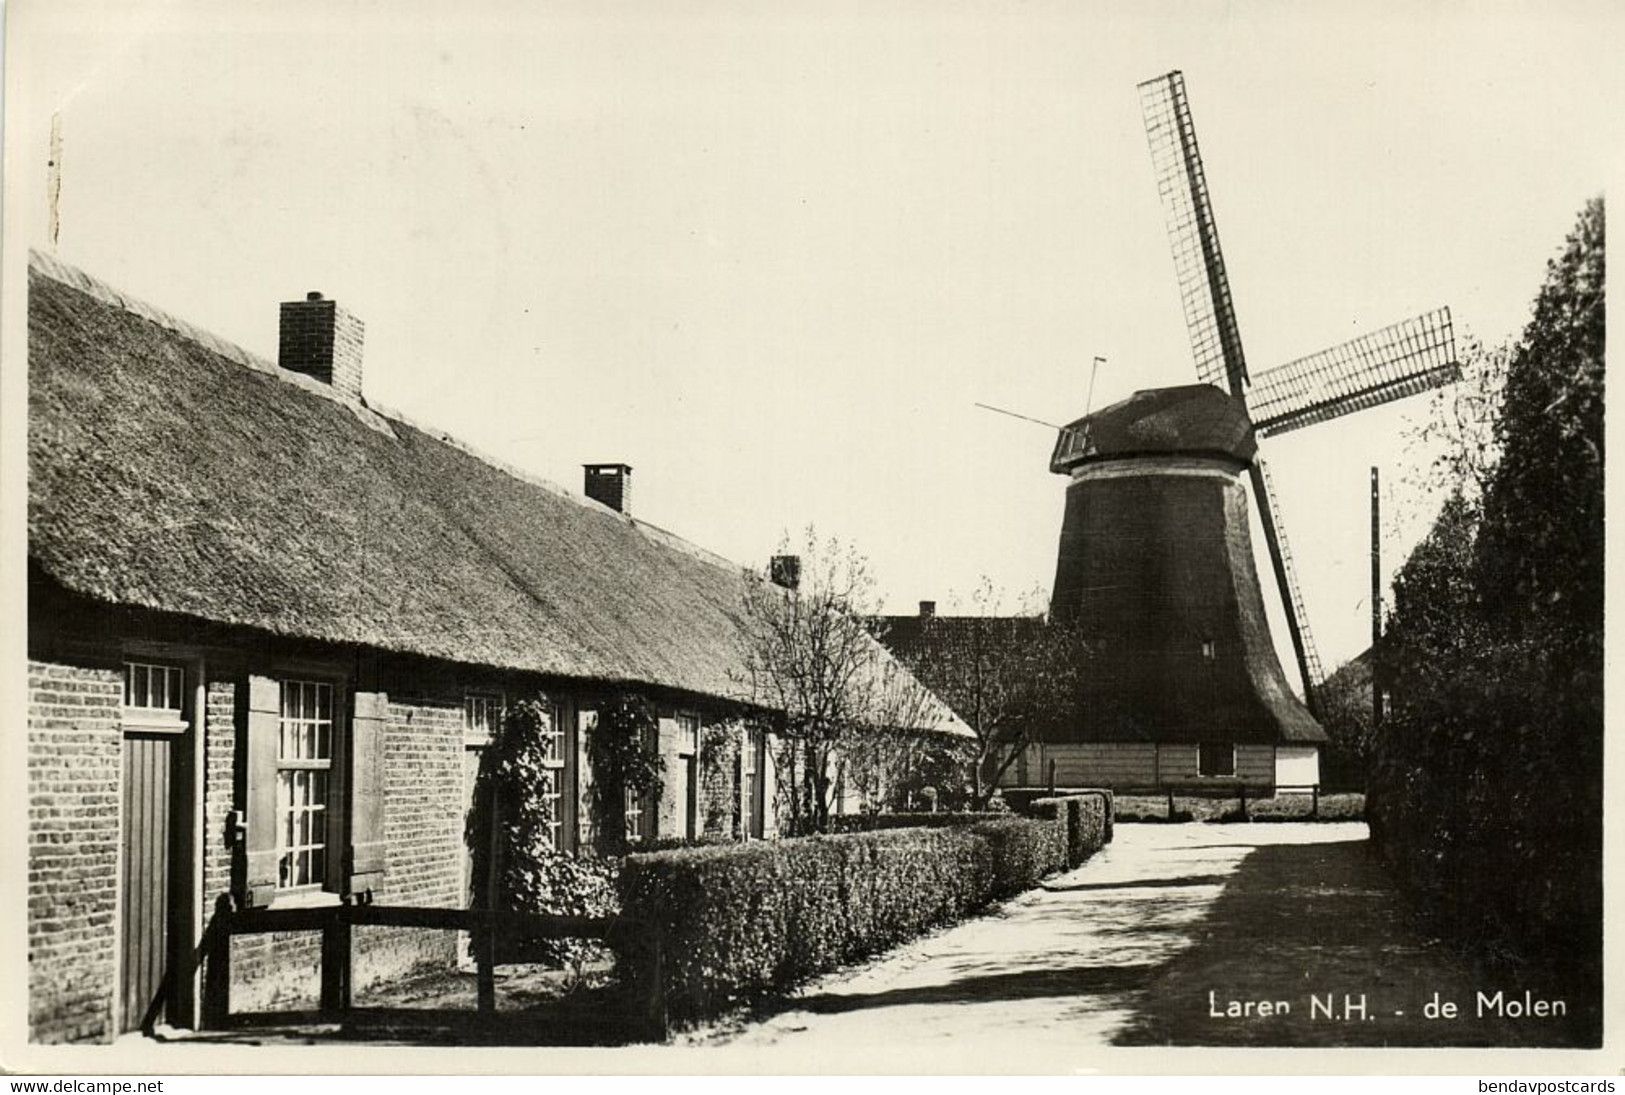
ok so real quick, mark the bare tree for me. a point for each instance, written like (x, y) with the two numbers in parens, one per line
(1458, 437)
(1007, 674)
(811, 656)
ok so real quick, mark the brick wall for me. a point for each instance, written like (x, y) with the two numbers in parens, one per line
(423, 823)
(74, 748)
(219, 751)
(423, 819)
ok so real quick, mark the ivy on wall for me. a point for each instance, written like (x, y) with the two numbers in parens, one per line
(624, 760)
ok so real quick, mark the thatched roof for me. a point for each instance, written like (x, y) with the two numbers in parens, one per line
(171, 470)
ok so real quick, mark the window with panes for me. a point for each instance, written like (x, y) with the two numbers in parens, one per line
(586, 829)
(635, 828)
(640, 808)
(304, 776)
(152, 687)
(482, 713)
(552, 779)
(154, 695)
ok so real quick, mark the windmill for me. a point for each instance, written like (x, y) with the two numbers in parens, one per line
(1183, 688)
(1401, 360)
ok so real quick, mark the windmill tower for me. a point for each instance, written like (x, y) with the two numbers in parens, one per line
(1156, 560)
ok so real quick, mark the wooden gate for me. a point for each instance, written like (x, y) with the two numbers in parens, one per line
(148, 876)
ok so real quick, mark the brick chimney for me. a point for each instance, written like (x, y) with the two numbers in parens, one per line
(927, 609)
(323, 341)
(785, 570)
(610, 484)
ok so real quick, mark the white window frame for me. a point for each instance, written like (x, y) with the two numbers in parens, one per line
(163, 718)
(688, 736)
(1216, 775)
(329, 822)
(638, 808)
(634, 816)
(482, 713)
(554, 764)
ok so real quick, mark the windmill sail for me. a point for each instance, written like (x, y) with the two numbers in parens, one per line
(1398, 361)
(1210, 315)
(1204, 290)
(1286, 576)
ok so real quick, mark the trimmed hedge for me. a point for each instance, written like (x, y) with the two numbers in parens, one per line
(1022, 799)
(869, 823)
(738, 921)
(1087, 821)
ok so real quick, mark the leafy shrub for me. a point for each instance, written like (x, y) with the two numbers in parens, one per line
(1485, 789)
(515, 783)
(562, 885)
(624, 761)
(1350, 807)
(739, 920)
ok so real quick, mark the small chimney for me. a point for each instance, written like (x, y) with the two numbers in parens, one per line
(927, 609)
(610, 484)
(323, 341)
(785, 570)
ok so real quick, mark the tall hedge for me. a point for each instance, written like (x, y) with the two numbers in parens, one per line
(738, 920)
(1486, 787)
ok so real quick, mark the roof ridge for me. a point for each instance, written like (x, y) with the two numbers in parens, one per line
(653, 531)
(374, 415)
(73, 277)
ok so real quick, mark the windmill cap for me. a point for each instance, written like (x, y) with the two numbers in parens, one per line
(1194, 419)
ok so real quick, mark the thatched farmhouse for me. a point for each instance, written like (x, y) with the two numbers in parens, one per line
(270, 630)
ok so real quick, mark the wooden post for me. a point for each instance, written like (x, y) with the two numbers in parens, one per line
(1376, 604)
(658, 1020)
(1243, 801)
(1170, 804)
(1314, 800)
(1052, 776)
(486, 939)
(336, 956)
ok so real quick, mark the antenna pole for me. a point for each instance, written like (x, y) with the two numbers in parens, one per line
(1376, 600)
(1089, 402)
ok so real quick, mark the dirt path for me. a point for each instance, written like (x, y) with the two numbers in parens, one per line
(1150, 943)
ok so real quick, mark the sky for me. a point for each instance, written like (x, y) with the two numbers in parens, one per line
(772, 254)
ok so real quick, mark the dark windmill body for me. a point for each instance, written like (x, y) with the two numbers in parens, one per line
(1184, 689)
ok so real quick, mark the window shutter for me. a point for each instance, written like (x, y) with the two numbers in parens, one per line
(365, 859)
(264, 712)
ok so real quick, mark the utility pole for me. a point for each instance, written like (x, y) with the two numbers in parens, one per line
(53, 182)
(1376, 601)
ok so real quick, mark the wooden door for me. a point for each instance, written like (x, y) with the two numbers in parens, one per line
(149, 875)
